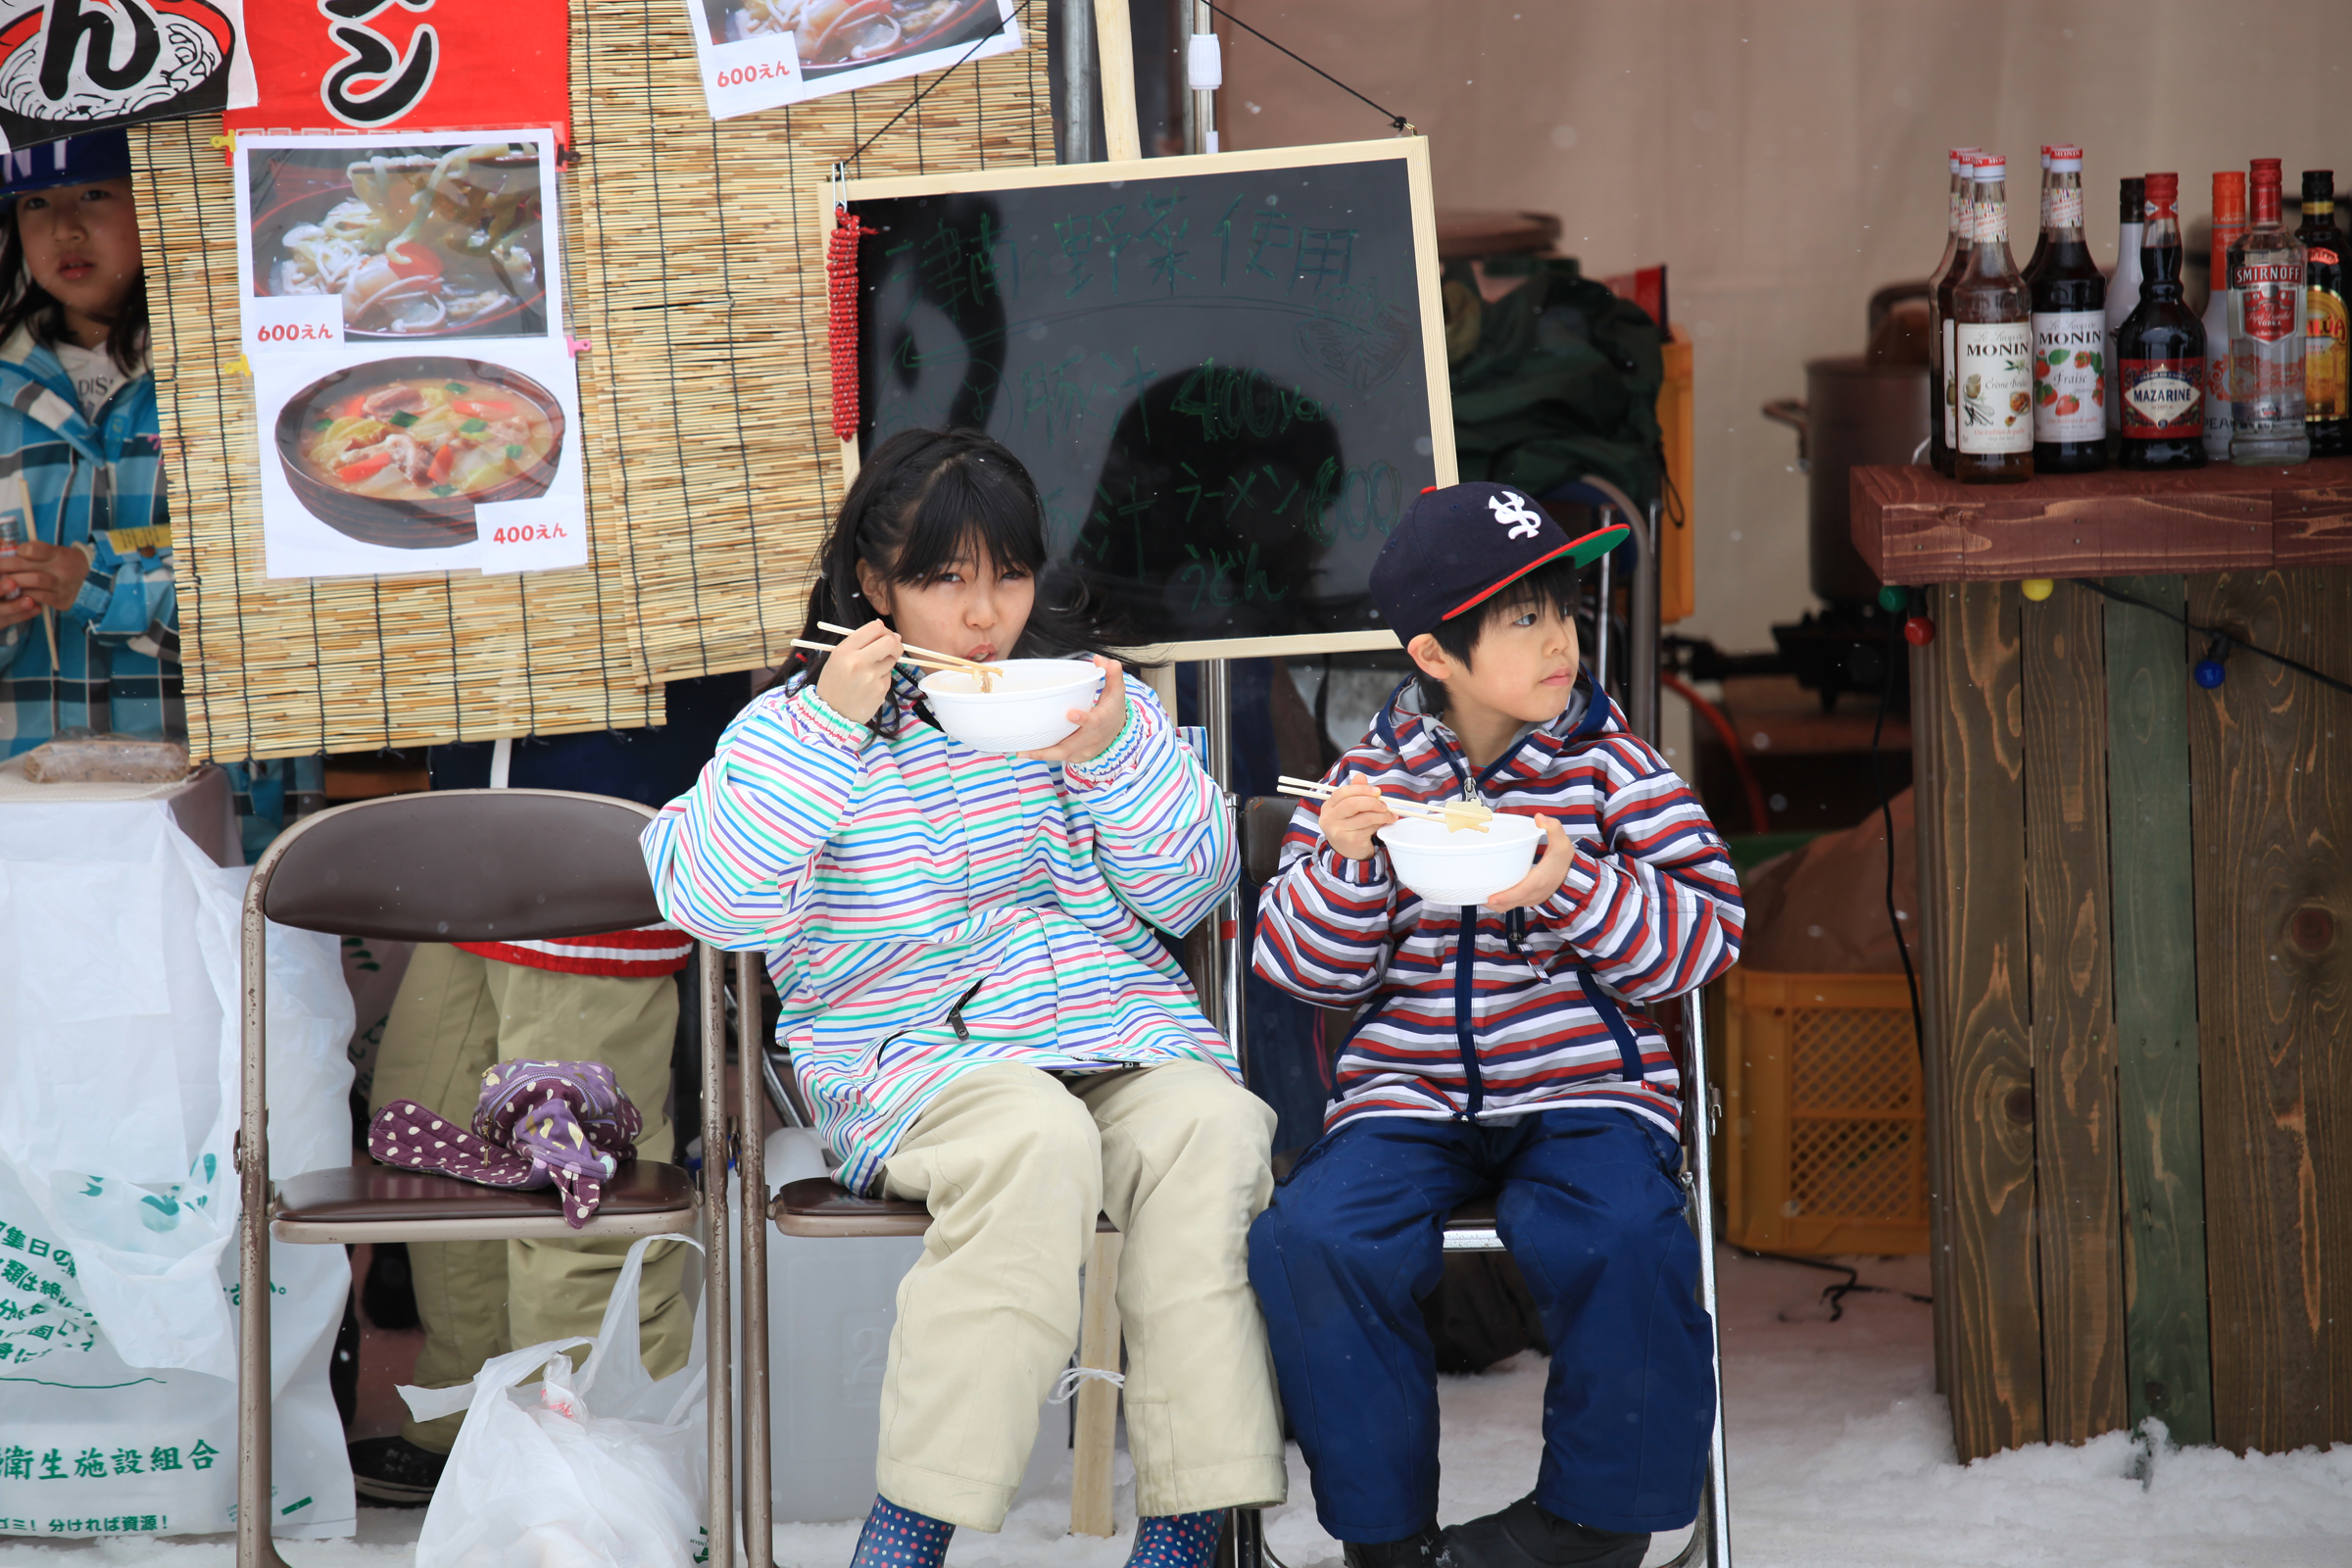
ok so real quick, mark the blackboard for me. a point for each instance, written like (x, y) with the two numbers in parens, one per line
(1226, 374)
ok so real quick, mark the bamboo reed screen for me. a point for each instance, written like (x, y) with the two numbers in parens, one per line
(695, 267)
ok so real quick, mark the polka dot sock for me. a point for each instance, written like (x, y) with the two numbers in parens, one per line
(1177, 1539)
(899, 1537)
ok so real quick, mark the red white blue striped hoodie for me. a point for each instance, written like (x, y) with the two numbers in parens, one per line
(1473, 1014)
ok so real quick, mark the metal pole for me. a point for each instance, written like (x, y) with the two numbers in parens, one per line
(1713, 1536)
(1200, 105)
(1641, 654)
(717, 1262)
(1215, 694)
(256, 1409)
(1076, 20)
(758, 1484)
(1601, 620)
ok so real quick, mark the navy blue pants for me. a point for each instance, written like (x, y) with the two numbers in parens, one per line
(1591, 1212)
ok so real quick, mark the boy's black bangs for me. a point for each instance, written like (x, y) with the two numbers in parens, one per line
(1553, 585)
(971, 506)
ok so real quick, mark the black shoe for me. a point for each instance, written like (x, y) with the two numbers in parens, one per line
(393, 1470)
(1416, 1550)
(1524, 1536)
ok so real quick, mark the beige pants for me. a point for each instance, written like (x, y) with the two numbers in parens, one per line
(1015, 1165)
(455, 1016)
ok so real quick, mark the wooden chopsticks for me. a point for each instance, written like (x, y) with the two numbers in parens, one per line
(923, 656)
(960, 666)
(1455, 814)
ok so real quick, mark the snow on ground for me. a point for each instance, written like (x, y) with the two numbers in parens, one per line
(1841, 1457)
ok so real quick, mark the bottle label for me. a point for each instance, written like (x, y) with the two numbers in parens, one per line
(2066, 209)
(1951, 396)
(2070, 383)
(1996, 373)
(2164, 399)
(2326, 383)
(2269, 290)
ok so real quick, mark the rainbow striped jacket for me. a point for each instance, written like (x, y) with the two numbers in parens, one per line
(1477, 1016)
(927, 909)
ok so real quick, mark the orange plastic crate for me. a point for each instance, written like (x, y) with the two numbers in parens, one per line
(1823, 1146)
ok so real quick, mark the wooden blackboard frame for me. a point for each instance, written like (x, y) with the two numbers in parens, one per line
(1410, 151)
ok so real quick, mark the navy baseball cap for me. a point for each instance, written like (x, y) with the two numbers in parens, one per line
(69, 160)
(1459, 545)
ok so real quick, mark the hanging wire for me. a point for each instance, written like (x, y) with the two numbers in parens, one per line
(1402, 126)
(977, 44)
(2219, 643)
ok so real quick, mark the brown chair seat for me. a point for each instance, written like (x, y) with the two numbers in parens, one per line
(819, 1205)
(359, 1202)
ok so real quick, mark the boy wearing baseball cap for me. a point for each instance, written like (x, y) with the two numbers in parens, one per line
(1503, 1048)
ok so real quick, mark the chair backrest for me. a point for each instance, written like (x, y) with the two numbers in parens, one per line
(1265, 820)
(463, 865)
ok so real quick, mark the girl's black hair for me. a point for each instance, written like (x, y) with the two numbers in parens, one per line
(27, 303)
(921, 500)
(1558, 585)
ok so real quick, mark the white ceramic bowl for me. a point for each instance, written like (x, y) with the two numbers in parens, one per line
(1027, 711)
(1464, 867)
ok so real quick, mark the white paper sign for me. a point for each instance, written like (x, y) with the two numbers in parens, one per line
(416, 400)
(759, 54)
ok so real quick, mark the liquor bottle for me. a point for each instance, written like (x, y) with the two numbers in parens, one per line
(2070, 330)
(2266, 333)
(1940, 309)
(2161, 349)
(2326, 370)
(2228, 221)
(2042, 240)
(1993, 338)
(2123, 288)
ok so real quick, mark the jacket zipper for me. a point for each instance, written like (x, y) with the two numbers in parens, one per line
(1466, 965)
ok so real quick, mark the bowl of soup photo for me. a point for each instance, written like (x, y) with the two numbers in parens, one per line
(1026, 709)
(400, 452)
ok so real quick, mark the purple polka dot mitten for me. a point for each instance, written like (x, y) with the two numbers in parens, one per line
(1177, 1539)
(899, 1537)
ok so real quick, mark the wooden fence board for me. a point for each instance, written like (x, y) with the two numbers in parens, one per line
(2076, 1188)
(2166, 1346)
(2270, 754)
(1988, 1072)
(1929, 940)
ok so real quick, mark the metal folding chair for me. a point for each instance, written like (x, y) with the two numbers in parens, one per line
(459, 865)
(1265, 820)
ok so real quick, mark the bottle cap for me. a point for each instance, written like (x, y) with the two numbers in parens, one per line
(2133, 205)
(2266, 171)
(2064, 160)
(1957, 160)
(2319, 186)
(1990, 167)
(2045, 155)
(2163, 190)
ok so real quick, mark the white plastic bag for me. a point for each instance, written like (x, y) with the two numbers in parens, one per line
(605, 1468)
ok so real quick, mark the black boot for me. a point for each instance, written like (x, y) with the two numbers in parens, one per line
(1416, 1550)
(393, 1470)
(1524, 1536)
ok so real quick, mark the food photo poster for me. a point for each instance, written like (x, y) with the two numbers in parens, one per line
(759, 54)
(417, 404)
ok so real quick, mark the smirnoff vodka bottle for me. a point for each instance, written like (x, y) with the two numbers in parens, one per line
(2122, 284)
(2070, 330)
(2229, 222)
(2266, 333)
(1992, 336)
(1940, 308)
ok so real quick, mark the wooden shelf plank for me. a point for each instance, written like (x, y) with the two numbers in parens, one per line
(1914, 526)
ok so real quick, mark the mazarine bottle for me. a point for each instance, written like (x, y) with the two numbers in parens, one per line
(2229, 222)
(2160, 349)
(1993, 338)
(2266, 333)
(2327, 371)
(2070, 330)
(1940, 309)
(2123, 285)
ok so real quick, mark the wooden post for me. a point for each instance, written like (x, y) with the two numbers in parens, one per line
(1114, 48)
(2270, 752)
(2168, 1352)
(1930, 815)
(1984, 1098)
(2076, 1195)
(1097, 1401)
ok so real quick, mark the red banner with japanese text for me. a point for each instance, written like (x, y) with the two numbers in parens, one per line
(408, 65)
